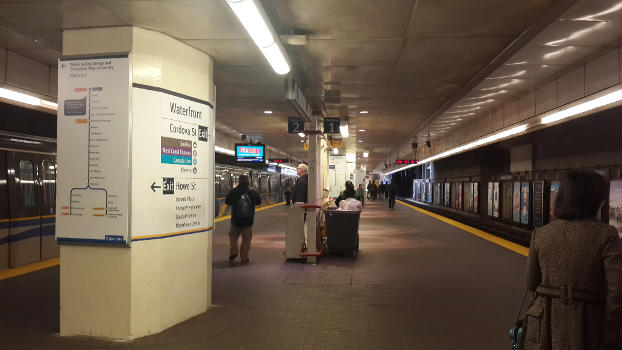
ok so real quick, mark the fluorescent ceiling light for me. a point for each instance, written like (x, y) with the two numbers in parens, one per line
(344, 131)
(592, 17)
(365, 154)
(301, 134)
(267, 112)
(224, 150)
(364, 112)
(517, 74)
(335, 150)
(254, 21)
(584, 107)
(362, 130)
(460, 149)
(27, 99)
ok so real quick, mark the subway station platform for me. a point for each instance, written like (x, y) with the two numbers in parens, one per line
(417, 282)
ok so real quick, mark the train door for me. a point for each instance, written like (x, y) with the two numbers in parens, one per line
(47, 208)
(4, 214)
(24, 224)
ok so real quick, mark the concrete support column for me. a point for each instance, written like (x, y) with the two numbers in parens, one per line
(315, 186)
(160, 272)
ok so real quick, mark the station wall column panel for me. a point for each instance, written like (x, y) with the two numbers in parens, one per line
(158, 272)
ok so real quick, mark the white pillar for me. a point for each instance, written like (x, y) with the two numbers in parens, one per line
(158, 182)
(314, 187)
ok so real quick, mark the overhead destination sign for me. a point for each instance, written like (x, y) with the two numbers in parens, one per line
(405, 161)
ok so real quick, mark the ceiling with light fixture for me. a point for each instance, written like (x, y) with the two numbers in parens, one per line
(399, 69)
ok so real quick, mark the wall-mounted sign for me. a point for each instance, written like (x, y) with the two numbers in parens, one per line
(306, 146)
(335, 143)
(278, 160)
(331, 125)
(293, 93)
(295, 125)
(405, 161)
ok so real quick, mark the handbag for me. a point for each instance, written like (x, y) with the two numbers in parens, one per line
(516, 332)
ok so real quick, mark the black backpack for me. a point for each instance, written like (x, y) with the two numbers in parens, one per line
(244, 208)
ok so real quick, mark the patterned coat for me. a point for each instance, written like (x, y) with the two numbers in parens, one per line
(575, 270)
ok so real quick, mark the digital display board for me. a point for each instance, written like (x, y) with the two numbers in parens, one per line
(249, 153)
(405, 161)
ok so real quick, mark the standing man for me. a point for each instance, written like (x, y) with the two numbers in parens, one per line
(391, 192)
(299, 193)
(242, 200)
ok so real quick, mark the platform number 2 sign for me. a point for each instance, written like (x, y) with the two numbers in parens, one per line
(331, 125)
(295, 125)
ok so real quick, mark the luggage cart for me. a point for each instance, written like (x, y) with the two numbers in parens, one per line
(342, 230)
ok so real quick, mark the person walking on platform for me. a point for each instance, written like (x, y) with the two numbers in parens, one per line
(349, 192)
(299, 193)
(287, 191)
(391, 192)
(242, 200)
(574, 269)
(369, 188)
(360, 192)
(381, 190)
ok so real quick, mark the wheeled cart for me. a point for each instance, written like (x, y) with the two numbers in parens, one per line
(342, 230)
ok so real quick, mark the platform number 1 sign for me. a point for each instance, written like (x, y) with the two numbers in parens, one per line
(295, 125)
(331, 125)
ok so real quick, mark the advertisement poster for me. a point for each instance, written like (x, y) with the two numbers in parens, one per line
(468, 196)
(516, 202)
(554, 191)
(524, 200)
(506, 200)
(429, 186)
(490, 199)
(495, 199)
(459, 190)
(538, 203)
(437, 193)
(476, 197)
(615, 205)
(447, 197)
(93, 123)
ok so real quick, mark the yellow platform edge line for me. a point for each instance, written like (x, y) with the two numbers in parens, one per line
(22, 270)
(517, 248)
(223, 218)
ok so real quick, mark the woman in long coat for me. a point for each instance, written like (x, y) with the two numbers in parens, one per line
(575, 271)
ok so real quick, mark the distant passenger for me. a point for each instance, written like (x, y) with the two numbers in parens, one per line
(349, 192)
(287, 191)
(369, 189)
(575, 271)
(381, 190)
(242, 200)
(299, 193)
(391, 192)
(361, 193)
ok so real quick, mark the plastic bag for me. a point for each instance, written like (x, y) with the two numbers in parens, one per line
(350, 204)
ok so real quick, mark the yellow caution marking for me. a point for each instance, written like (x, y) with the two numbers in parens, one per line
(222, 210)
(517, 248)
(223, 218)
(22, 270)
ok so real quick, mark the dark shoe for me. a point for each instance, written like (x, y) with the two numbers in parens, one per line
(245, 261)
(233, 256)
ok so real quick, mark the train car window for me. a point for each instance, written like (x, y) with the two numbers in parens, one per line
(26, 183)
(49, 186)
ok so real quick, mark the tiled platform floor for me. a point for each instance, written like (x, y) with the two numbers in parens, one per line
(416, 283)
